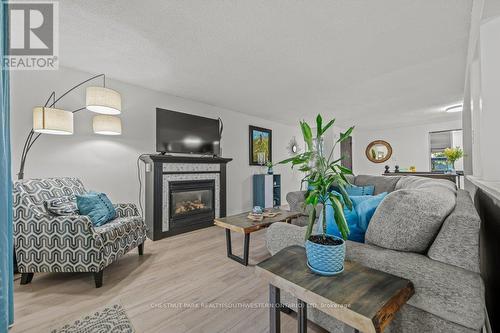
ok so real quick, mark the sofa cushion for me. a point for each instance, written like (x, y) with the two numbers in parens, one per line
(381, 183)
(457, 243)
(409, 220)
(281, 235)
(446, 291)
(118, 228)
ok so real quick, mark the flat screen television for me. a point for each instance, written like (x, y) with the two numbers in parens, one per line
(178, 132)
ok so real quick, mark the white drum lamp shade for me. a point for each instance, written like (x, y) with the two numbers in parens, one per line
(52, 121)
(103, 100)
(107, 125)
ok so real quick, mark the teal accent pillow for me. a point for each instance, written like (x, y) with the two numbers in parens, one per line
(365, 207)
(357, 219)
(331, 226)
(359, 190)
(97, 207)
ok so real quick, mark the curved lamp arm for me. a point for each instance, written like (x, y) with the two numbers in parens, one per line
(32, 137)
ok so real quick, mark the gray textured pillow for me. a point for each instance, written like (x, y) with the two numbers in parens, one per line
(409, 220)
(62, 206)
(420, 183)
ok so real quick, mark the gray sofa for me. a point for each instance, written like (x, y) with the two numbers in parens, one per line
(449, 292)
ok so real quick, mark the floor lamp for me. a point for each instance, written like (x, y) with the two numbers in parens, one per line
(48, 119)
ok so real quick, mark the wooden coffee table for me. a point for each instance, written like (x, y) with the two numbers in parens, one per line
(366, 299)
(242, 224)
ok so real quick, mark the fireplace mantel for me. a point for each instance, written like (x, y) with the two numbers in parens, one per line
(159, 158)
(164, 170)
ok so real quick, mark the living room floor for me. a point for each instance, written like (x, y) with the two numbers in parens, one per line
(188, 268)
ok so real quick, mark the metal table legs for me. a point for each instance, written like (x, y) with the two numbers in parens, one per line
(275, 309)
(246, 245)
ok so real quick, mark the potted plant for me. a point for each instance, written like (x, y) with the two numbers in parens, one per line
(325, 253)
(452, 155)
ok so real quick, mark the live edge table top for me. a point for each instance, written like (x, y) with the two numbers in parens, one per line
(364, 298)
(241, 223)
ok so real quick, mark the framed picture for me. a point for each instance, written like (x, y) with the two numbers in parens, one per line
(260, 143)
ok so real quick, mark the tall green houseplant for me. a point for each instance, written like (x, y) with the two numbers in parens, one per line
(321, 174)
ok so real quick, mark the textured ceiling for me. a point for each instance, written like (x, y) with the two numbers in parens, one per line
(372, 63)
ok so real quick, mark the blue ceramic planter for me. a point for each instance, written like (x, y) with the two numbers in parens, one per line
(325, 259)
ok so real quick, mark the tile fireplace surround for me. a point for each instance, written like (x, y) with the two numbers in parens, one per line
(164, 173)
(191, 177)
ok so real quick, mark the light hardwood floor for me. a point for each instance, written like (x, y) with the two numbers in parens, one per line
(191, 268)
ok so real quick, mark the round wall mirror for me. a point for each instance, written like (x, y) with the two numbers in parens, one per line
(378, 151)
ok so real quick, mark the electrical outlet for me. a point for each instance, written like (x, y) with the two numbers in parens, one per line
(148, 167)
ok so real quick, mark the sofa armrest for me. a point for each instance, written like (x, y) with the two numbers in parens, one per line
(444, 290)
(296, 200)
(126, 210)
(280, 235)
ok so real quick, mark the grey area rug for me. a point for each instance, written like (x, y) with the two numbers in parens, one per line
(110, 319)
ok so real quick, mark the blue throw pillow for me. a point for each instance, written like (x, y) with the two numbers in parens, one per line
(351, 217)
(331, 226)
(97, 207)
(365, 207)
(360, 190)
(357, 219)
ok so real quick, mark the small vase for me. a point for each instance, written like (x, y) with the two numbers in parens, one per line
(270, 170)
(325, 259)
(317, 151)
(451, 168)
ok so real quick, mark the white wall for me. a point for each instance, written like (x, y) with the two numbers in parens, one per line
(108, 163)
(410, 146)
(330, 138)
(481, 114)
(458, 141)
(488, 120)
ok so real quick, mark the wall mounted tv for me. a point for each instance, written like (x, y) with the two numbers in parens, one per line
(178, 132)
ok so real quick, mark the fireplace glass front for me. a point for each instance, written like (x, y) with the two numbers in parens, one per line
(190, 199)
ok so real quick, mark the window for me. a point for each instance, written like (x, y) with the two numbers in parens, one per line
(441, 140)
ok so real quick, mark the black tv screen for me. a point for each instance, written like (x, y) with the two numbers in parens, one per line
(178, 132)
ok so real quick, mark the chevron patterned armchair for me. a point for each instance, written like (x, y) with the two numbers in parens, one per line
(48, 243)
